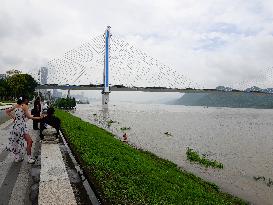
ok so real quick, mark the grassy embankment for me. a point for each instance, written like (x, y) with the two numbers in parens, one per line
(125, 175)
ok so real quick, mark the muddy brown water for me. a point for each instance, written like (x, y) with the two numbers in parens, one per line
(242, 139)
(3, 115)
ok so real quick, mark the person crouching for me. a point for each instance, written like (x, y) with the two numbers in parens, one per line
(50, 120)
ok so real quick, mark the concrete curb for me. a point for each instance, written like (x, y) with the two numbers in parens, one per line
(55, 187)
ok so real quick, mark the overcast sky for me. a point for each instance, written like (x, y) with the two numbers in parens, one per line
(213, 42)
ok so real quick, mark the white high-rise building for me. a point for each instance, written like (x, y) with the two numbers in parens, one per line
(43, 81)
(44, 75)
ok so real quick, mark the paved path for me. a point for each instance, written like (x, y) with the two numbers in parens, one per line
(15, 178)
(55, 187)
(45, 182)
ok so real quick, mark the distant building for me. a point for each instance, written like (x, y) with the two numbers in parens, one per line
(44, 75)
(56, 94)
(43, 81)
(3, 76)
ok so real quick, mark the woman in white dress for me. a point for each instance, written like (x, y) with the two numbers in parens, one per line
(19, 132)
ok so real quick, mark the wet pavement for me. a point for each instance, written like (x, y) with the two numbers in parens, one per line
(15, 178)
(53, 179)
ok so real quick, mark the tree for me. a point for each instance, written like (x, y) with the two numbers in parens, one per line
(5, 90)
(13, 72)
(21, 84)
(65, 103)
(2, 88)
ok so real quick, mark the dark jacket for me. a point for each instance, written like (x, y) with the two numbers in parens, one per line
(36, 108)
(52, 121)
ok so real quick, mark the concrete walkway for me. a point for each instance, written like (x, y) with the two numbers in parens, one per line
(20, 182)
(55, 187)
(15, 178)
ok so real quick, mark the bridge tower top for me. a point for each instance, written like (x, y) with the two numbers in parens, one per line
(106, 89)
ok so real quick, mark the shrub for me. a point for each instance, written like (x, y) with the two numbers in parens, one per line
(65, 103)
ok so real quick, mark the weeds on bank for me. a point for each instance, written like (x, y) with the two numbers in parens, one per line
(109, 122)
(194, 156)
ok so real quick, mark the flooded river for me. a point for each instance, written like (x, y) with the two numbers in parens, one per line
(242, 139)
(3, 115)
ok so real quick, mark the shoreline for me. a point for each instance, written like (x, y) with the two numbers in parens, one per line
(149, 124)
(162, 162)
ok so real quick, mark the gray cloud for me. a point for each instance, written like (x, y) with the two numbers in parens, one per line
(212, 42)
(6, 60)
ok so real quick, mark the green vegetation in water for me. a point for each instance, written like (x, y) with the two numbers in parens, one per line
(125, 128)
(109, 122)
(125, 175)
(193, 156)
(168, 134)
(269, 181)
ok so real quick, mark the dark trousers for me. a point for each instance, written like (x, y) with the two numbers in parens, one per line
(36, 122)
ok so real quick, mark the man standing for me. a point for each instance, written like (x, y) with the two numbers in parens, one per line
(36, 112)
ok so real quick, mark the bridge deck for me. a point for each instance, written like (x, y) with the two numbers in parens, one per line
(187, 90)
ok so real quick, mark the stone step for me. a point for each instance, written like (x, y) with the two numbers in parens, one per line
(55, 187)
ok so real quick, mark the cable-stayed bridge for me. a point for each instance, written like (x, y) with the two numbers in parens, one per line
(109, 63)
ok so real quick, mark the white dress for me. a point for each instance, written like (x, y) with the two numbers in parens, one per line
(16, 140)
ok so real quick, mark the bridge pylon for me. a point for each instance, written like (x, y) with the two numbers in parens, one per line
(106, 90)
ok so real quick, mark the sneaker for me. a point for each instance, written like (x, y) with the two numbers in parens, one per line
(18, 159)
(31, 161)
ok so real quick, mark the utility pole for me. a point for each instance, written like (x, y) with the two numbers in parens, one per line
(105, 92)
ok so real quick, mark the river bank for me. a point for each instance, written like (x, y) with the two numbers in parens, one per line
(239, 138)
(125, 175)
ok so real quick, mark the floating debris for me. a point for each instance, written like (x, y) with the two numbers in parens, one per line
(269, 181)
(168, 134)
(125, 128)
(109, 122)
